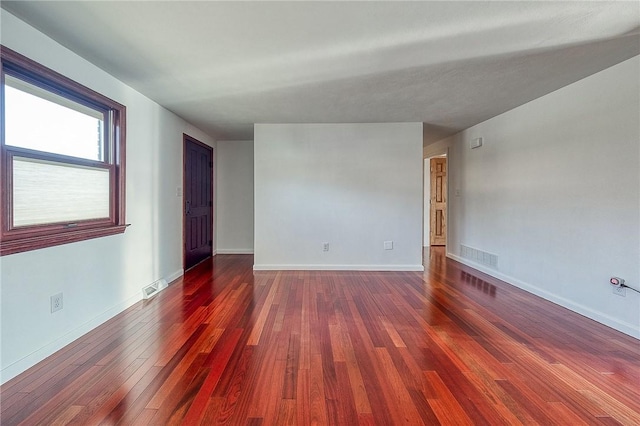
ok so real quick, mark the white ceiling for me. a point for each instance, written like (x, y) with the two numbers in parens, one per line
(226, 65)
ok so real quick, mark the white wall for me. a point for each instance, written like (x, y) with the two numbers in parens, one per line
(555, 193)
(234, 184)
(351, 185)
(98, 278)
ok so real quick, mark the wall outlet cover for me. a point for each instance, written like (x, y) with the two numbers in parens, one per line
(619, 290)
(56, 302)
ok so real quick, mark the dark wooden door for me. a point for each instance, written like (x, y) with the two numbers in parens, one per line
(198, 205)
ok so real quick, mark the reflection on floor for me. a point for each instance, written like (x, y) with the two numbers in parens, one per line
(225, 345)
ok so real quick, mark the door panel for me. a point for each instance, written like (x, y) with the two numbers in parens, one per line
(438, 198)
(198, 206)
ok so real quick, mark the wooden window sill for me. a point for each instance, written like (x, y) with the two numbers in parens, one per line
(71, 236)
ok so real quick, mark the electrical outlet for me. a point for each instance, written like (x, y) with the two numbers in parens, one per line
(619, 290)
(56, 302)
(325, 246)
(388, 245)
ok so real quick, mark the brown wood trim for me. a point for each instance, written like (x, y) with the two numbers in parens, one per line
(15, 240)
(14, 233)
(70, 236)
(119, 152)
(5, 184)
(35, 73)
(14, 151)
(48, 229)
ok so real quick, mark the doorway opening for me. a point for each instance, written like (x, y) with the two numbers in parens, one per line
(197, 202)
(435, 201)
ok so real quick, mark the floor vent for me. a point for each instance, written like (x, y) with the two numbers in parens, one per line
(154, 288)
(479, 256)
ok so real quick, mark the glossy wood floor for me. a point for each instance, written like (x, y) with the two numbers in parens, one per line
(227, 346)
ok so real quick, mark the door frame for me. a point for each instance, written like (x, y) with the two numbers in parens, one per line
(432, 211)
(443, 152)
(186, 138)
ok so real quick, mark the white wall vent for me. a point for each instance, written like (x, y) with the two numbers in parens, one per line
(154, 288)
(479, 256)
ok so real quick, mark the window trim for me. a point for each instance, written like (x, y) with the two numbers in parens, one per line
(26, 238)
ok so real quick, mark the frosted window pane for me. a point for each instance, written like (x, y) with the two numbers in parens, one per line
(49, 192)
(41, 120)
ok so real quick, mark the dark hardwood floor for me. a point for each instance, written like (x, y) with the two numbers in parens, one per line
(226, 345)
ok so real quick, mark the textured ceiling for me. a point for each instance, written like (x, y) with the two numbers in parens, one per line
(226, 65)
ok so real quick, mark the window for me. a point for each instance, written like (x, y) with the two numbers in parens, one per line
(62, 156)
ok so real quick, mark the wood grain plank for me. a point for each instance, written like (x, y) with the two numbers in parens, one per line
(445, 406)
(215, 364)
(227, 345)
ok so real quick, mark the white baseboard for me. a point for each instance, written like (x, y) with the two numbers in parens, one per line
(235, 251)
(271, 267)
(624, 327)
(35, 357)
(172, 277)
(38, 355)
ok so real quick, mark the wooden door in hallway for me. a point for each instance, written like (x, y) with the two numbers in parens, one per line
(438, 202)
(198, 202)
